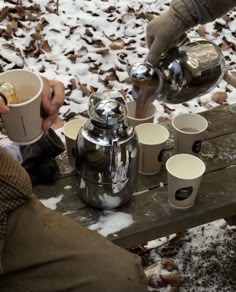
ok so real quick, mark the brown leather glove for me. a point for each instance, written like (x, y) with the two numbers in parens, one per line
(165, 30)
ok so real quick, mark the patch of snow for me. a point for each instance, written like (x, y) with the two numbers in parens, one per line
(112, 222)
(109, 202)
(52, 202)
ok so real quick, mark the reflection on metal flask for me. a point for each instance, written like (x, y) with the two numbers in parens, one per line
(106, 153)
(184, 72)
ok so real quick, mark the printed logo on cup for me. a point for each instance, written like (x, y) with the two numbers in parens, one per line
(197, 145)
(184, 193)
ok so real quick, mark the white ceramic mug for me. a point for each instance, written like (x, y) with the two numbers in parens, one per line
(185, 172)
(152, 139)
(23, 121)
(189, 133)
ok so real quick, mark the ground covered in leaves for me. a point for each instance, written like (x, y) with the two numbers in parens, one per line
(202, 259)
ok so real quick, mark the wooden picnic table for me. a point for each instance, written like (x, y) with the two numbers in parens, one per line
(153, 216)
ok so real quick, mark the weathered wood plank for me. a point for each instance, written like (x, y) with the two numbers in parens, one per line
(154, 217)
(66, 187)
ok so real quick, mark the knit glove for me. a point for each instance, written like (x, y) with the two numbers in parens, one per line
(166, 30)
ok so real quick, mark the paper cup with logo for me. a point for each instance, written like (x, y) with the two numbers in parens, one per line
(151, 112)
(188, 133)
(185, 172)
(152, 139)
(23, 121)
(71, 130)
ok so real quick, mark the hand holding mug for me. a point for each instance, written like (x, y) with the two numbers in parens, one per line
(3, 108)
(52, 100)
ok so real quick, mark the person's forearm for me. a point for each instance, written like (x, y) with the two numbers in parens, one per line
(209, 10)
(193, 12)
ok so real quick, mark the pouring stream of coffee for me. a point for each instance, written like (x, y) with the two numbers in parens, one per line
(144, 98)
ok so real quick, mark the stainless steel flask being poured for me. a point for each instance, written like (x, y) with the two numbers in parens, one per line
(184, 72)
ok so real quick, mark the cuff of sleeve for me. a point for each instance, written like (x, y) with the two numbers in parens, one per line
(185, 12)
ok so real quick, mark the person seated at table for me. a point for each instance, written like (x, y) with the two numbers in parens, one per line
(44, 251)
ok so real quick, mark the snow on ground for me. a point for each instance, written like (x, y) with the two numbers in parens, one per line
(88, 45)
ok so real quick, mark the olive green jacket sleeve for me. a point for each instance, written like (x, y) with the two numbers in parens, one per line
(193, 12)
(164, 31)
(15, 191)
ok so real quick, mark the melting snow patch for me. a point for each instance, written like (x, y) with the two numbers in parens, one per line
(51, 203)
(112, 222)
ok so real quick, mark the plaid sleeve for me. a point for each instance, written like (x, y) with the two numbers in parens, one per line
(15, 190)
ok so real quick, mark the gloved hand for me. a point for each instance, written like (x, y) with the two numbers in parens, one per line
(164, 31)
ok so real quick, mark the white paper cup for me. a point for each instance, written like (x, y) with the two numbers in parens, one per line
(188, 133)
(184, 176)
(23, 122)
(152, 139)
(71, 130)
(151, 112)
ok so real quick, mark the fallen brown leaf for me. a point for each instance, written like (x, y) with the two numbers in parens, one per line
(215, 34)
(73, 84)
(36, 36)
(201, 31)
(169, 264)
(220, 97)
(225, 45)
(178, 237)
(173, 278)
(4, 13)
(88, 32)
(226, 18)
(85, 90)
(99, 44)
(102, 52)
(167, 109)
(82, 51)
(72, 57)
(123, 92)
(45, 46)
(14, 25)
(8, 29)
(93, 89)
(110, 9)
(117, 45)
